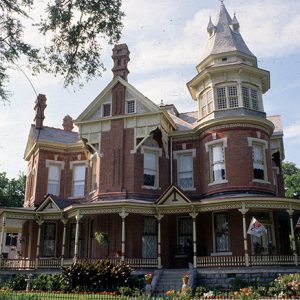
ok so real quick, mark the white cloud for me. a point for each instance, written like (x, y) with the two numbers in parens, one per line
(292, 132)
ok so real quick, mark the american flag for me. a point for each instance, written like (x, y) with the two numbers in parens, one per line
(256, 228)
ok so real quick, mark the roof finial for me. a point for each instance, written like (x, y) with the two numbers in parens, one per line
(222, 2)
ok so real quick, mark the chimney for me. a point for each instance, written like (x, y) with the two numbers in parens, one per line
(68, 123)
(40, 105)
(121, 58)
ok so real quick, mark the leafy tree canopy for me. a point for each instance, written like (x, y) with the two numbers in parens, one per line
(291, 175)
(76, 29)
(12, 190)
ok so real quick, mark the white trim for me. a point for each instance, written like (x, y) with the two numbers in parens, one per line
(214, 142)
(261, 181)
(218, 182)
(147, 148)
(252, 140)
(55, 162)
(180, 152)
(126, 106)
(78, 162)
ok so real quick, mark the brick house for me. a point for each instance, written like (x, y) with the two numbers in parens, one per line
(165, 188)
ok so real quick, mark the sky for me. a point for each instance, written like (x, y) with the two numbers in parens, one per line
(166, 39)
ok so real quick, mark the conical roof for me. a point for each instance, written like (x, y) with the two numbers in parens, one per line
(225, 37)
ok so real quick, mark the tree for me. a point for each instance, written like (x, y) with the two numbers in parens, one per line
(76, 29)
(12, 191)
(291, 176)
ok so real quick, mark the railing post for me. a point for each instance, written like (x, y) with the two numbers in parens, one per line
(291, 212)
(64, 221)
(77, 218)
(194, 216)
(159, 217)
(123, 215)
(2, 236)
(39, 222)
(243, 211)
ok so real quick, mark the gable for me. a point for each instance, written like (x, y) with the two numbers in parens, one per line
(48, 205)
(173, 196)
(94, 110)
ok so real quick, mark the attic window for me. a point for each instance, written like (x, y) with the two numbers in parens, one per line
(224, 59)
(106, 110)
(130, 106)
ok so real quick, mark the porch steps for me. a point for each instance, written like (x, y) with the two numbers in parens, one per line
(169, 280)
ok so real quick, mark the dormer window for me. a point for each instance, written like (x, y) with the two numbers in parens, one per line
(224, 59)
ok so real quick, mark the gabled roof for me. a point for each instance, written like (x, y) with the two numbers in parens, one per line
(173, 195)
(224, 38)
(96, 103)
(53, 203)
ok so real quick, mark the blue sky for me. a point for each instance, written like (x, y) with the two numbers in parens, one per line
(166, 40)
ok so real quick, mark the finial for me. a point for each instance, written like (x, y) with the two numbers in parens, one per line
(222, 2)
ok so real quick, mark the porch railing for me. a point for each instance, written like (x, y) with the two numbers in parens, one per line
(239, 261)
(142, 262)
(49, 263)
(220, 261)
(16, 264)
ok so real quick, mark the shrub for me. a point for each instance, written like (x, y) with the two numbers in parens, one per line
(98, 276)
(17, 282)
(47, 282)
(287, 285)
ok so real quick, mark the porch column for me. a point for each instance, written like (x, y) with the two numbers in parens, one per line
(2, 233)
(244, 210)
(78, 217)
(291, 212)
(194, 216)
(64, 221)
(159, 217)
(123, 215)
(37, 256)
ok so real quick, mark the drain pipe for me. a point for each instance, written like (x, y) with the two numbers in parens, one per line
(171, 160)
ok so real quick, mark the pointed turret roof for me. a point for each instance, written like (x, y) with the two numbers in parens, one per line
(226, 36)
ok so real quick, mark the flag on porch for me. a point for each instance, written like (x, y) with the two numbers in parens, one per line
(298, 224)
(256, 228)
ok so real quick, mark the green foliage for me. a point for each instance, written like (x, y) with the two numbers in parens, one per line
(44, 282)
(200, 290)
(286, 286)
(17, 282)
(101, 238)
(12, 190)
(239, 283)
(291, 176)
(76, 30)
(98, 276)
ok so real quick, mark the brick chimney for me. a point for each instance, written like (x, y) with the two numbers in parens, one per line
(68, 123)
(40, 105)
(121, 58)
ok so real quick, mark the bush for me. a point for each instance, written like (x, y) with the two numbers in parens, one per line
(285, 286)
(99, 276)
(17, 282)
(47, 282)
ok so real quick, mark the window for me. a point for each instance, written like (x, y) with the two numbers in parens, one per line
(217, 162)
(149, 238)
(78, 180)
(221, 232)
(49, 239)
(185, 170)
(11, 239)
(227, 97)
(130, 106)
(206, 103)
(150, 168)
(258, 158)
(250, 97)
(54, 179)
(106, 110)
(258, 161)
(216, 149)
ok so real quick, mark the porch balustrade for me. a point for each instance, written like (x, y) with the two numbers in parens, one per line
(202, 262)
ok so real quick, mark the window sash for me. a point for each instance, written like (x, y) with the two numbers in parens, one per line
(217, 163)
(258, 157)
(150, 168)
(130, 106)
(221, 232)
(221, 98)
(106, 110)
(54, 179)
(49, 240)
(185, 171)
(78, 180)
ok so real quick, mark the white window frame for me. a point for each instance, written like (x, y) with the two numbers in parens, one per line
(208, 147)
(264, 144)
(206, 103)
(251, 98)
(76, 163)
(127, 106)
(60, 165)
(158, 153)
(105, 116)
(177, 155)
(227, 95)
